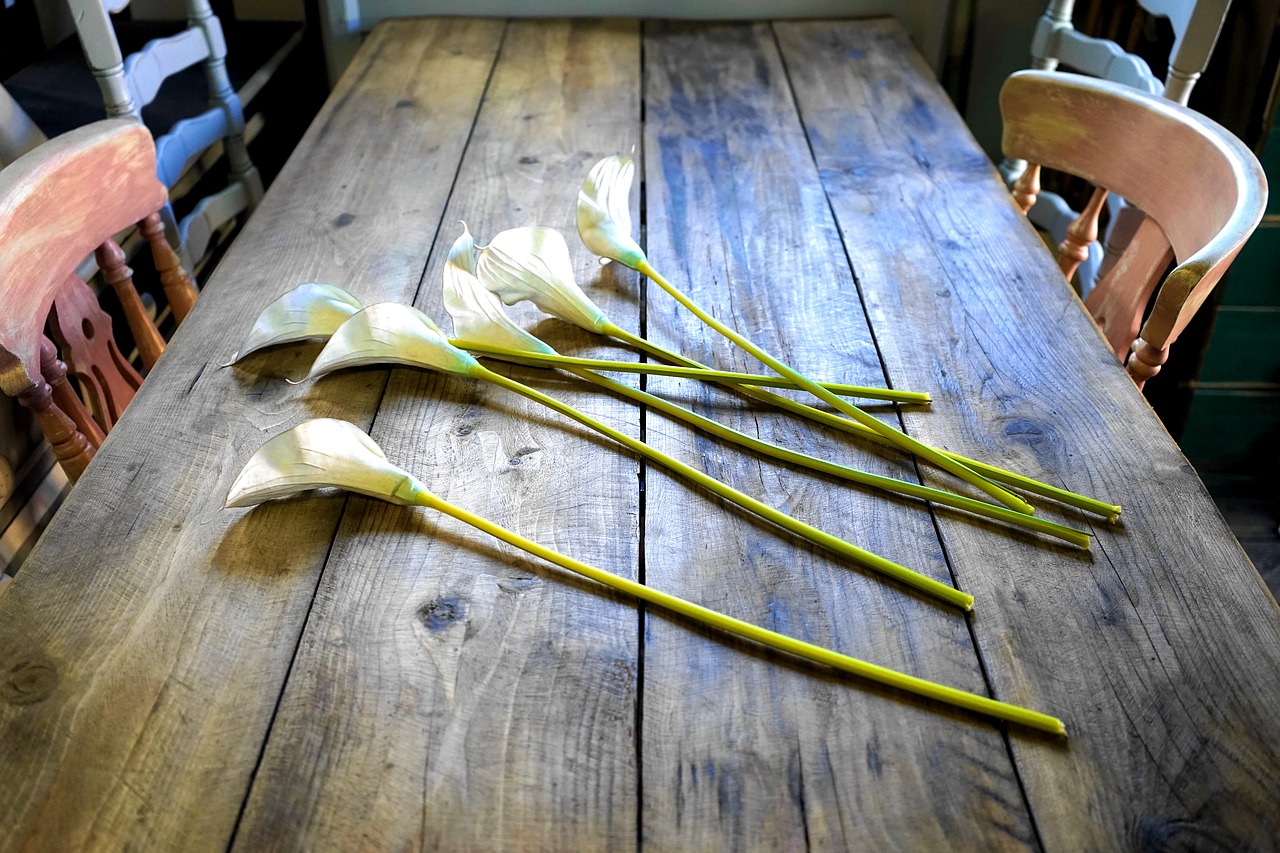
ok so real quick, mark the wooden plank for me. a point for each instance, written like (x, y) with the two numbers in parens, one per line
(143, 647)
(450, 693)
(742, 748)
(1162, 650)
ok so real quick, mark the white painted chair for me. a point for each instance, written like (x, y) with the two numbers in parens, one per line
(129, 84)
(1056, 43)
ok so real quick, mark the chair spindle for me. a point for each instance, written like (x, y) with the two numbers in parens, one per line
(1081, 234)
(65, 397)
(111, 260)
(179, 289)
(1027, 187)
(69, 445)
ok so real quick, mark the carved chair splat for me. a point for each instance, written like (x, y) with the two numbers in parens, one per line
(1202, 197)
(60, 203)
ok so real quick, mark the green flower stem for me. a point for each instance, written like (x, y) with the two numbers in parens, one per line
(922, 582)
(938, 496)
(899, 438)
(539, 359)
(1111, 512)
(799, 648)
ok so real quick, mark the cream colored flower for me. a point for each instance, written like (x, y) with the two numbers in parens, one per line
(319, 454)
(477, 314)
(391, 333)
(604, 211)
(533, 263)
(309, 311)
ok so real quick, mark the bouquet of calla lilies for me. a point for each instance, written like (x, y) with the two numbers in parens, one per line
(534, 264)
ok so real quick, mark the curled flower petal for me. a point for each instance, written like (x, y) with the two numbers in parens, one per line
(477, 314)
(604, 211)
(533, 263)
(319, 454)
(463, 254)
(311, 310)
(391, 333)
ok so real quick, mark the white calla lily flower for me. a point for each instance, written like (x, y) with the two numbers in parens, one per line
(533, 263)
(604, 211)
(391, 333)
(326, 453)
(478, 317)
(309, 311)
(322, 453)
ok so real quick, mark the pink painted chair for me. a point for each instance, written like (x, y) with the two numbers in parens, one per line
(59, 203)
(1203, 193)
(1056, 44)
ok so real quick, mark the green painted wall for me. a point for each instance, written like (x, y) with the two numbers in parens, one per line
(1234, 422)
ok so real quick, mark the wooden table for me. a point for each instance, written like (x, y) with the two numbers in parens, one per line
(339, 673)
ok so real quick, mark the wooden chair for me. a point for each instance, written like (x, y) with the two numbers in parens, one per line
(59, 203)
(1201, 190)
(1056, 43)
(130, 83)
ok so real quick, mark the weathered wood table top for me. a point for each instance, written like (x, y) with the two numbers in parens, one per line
(339, 673)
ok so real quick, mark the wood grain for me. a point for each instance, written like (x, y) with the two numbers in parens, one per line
(744, 749)
(1162, 651)
(336, 673)
(452, 693)
(144, 648)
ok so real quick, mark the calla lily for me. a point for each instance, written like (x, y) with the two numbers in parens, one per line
(604, 211)
(314, 310)
(601, 191)
(326, 452)
(318, 454)
(309, 311)
(391, 333)
(478, 317)
(533, 263)
(482, 326)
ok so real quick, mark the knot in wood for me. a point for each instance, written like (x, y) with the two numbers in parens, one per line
(29, 682)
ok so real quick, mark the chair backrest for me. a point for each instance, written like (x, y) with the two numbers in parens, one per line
(129, 84)
(59, 203)
(1196, 25)
(1202, 190)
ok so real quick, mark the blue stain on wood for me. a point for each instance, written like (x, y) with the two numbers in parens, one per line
(442, 612)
